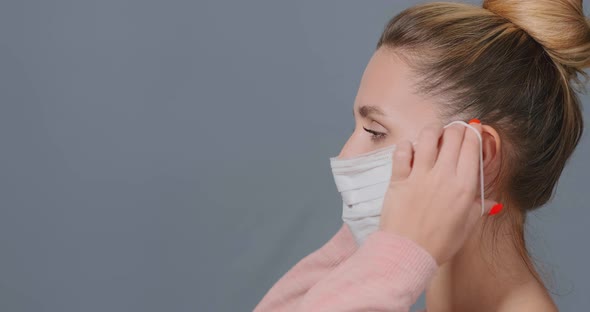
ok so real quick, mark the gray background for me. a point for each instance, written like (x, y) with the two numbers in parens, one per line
(173, 155)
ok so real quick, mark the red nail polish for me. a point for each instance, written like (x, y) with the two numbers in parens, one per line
(475, 120)
(496, 209)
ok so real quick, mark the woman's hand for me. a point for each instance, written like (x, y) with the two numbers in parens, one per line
(432, 198)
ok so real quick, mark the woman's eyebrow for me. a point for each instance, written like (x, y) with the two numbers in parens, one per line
(367, 110)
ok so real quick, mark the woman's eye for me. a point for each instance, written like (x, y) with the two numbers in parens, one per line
(375, 136)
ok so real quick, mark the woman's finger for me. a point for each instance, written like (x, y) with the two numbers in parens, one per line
(426, 151)
(451, 146)
(402, 158)
(469, 157)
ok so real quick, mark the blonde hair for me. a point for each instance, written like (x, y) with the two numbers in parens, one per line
(515, 65)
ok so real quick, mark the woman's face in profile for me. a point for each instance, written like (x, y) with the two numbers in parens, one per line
(385, 109)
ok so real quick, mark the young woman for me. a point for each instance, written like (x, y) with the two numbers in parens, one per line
(514, 66)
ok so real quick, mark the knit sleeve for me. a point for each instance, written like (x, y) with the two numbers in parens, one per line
(387, 273)
(288, 291)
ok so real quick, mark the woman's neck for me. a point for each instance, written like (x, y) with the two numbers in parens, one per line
(481, 276)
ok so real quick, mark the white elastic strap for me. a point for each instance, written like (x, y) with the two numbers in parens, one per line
(480, 159)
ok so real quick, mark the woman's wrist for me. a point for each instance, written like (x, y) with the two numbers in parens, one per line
(398, 257)
(340, 246)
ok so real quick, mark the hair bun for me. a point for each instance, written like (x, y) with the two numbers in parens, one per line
(559, 25)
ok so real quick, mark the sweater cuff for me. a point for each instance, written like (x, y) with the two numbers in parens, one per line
(399, 257)
(340, 247)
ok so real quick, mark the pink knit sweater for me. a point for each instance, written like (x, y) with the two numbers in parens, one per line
(387, 273)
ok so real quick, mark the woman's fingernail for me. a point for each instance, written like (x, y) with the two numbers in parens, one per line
(496, 209)
(474, 120)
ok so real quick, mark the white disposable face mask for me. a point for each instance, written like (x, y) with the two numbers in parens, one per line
(362, 181)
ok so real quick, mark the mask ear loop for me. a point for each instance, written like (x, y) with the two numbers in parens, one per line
(480, 158)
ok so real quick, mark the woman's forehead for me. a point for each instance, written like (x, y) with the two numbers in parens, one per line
(386, 82)
(387, 86)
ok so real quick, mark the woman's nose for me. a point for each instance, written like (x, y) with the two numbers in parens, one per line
(353, 146)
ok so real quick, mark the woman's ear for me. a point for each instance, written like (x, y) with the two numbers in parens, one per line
(491, 149)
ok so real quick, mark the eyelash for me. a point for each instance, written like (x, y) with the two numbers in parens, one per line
(375, 136)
